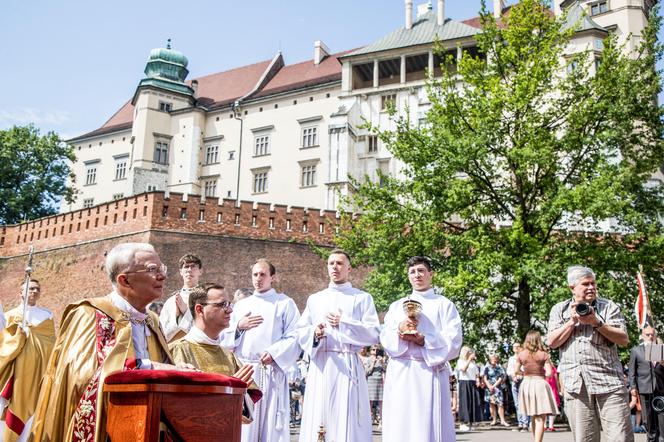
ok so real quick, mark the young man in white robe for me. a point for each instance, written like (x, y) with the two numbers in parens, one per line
(416, 400)
(175, 318)
(263, 334)
(335, 325)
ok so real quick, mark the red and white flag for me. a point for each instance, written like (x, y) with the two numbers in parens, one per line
(642, 307)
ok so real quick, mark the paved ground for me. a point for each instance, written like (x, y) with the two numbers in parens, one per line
(496, 435)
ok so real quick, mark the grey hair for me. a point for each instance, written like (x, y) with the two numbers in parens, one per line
(123, 256)
(576, 273)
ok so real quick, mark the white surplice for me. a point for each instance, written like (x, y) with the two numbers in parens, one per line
(416, 399)
(171, 325)
(336, 395)
(277, 336)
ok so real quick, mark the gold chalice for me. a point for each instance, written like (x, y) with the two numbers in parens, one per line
(412, 309)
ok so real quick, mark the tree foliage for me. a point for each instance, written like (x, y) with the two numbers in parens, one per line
(531, 159)
(33, 173)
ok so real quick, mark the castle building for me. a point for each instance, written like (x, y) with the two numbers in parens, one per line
(293, 134)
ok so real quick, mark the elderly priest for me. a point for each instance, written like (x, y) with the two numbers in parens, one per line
(99, 336)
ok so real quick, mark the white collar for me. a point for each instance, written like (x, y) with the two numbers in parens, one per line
(265, 294)
(341, 287)
(425, 293)
(126, 307)
(198, 336)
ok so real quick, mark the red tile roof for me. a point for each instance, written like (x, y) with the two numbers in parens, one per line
(226, 87)
(304, 74)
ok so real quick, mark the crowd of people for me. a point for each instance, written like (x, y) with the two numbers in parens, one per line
(333, 369)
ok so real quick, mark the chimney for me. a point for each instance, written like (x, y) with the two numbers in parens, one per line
(320, 52)
(498, 6)
(441, 12)
(409, 14)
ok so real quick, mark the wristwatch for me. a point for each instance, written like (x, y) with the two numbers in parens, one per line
(600, 324)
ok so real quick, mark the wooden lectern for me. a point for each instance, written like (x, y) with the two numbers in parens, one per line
(155, 405)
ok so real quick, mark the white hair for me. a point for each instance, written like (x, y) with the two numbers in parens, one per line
(123, 256)
(576, 273)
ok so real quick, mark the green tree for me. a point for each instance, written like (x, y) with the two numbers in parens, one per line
(33, 173)
(517, 174)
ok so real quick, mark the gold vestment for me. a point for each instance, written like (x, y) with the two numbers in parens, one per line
(214, 359)
(23, 361)
(75, 361)
(205, 357)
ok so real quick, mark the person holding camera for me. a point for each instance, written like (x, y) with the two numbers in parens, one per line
(587, 329)
(643, 381)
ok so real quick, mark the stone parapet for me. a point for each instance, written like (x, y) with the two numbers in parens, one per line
(175, 212)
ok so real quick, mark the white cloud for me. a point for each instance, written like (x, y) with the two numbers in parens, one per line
(46, 120)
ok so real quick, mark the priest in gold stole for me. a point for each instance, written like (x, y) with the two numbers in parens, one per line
(211, 309)
(23, 358)
(97, 337)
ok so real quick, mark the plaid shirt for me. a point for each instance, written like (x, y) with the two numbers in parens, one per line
(587, 355)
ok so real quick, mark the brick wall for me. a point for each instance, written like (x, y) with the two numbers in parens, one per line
(227, 238)
(155, 211)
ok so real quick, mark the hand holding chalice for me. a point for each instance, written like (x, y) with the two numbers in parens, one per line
(412, 309)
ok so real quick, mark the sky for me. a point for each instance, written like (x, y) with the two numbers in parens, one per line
(67, 66)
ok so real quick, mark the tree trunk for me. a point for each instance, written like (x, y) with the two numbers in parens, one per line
(523, 309)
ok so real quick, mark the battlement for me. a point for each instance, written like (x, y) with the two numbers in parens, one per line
(175, 212)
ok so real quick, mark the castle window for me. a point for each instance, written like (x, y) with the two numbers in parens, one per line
(161, 152)
(262, 145)
(91, 175)
(260, 181)
(210, 188)
(387, 101)
(165, 106)
(310, 136)
(88, 202)
(308, 175)
(121, 168)
(599, 8)
(372, 143)
(211, 154)
(231, 154)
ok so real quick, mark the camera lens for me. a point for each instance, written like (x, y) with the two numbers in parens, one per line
(658, 404)
(582, 309)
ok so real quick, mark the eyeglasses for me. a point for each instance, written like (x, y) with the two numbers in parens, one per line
(226, 305)
(191, 266)
(153, 270)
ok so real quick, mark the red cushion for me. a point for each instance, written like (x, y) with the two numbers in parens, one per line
(172, 377)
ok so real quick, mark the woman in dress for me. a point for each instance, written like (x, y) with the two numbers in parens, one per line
(375, 366)
(494, 378)
(535, 395)
(468, 376)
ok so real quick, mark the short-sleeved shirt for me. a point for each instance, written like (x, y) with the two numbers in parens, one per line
(587, 355)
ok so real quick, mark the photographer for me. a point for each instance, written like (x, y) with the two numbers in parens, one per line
(643, 381)
(587, 330)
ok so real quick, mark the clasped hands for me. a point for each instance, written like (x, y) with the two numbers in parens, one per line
(406, 328)
(332, 318)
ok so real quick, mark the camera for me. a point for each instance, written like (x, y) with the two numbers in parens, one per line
(658, 404)
(583, 309)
